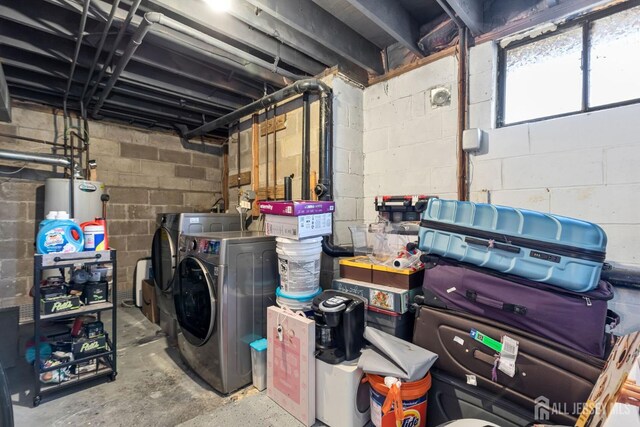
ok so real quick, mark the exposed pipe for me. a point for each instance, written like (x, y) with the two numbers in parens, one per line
(306, 146)
(25, 138)
(152, 18)
(324, 188)
(462, 100)
(45, 159)
(103, 38)
(116, 43)
(74, 62)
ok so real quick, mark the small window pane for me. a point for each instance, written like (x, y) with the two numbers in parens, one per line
(615, 58)
(544, 78)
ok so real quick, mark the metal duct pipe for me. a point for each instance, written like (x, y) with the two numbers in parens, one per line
(152, 18)
(116, 43)
(74, 62)
(45, 159)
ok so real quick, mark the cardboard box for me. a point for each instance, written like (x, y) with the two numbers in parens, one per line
(299, 227)
(384, 297)
(296, 208)
(59, 305)
(360, 268)
(149, 303)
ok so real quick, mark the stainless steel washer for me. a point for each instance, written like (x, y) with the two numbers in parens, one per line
(224, 284)
(165, 255)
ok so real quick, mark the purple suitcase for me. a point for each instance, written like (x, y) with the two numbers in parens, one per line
(577, 320)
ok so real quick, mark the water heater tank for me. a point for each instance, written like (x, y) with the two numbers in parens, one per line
(87, 203)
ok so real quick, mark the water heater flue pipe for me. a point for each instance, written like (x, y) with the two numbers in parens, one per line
(45, 159)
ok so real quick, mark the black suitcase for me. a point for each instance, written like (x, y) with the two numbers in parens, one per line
(545, 371)
(451, 399)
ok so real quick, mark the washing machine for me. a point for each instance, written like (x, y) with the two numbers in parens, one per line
(165, 255)
(223, 286)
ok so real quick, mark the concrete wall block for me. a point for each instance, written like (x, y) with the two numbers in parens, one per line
(550, 170)
(159, 169)
(375, 140)
(371, 184)
(27, 118)
(347, 92)
(135, 151)
(203, 185)
(125, 180)
(141, 212)
(356, 117)
(200, 200)
(116, 211)
(449, 123)
(623, 165)
(602, 204)
(443, 180)
(382, 116)
(128, 227)
(341, 160)
(17, 229)
(206, 160)
(172, 156)
(356, 163)
(481, 86)
(166, 197)
(486, 175)
(418, 104)
(590, 130)
(345, 209)
(118, 164)
(511, 141)
(214, 175)
(341, 232)
(13, 211)
(347, 185)
(17, 190)
(139, 243)
(190, 172)
(360, 208)
(538, 199)
(482, 57)
(379, 94)
(128, 195)
(174, 183)
(481, 115)
(16, 268)
(370, 214)
(429, 75)
(291, 145)
(100, 146)
(623, 245)
(347, 138)
(376, 162)
(44, 135)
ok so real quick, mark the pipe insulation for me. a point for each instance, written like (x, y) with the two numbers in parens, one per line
(45, 159)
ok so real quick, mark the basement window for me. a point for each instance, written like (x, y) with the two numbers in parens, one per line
(587, 65)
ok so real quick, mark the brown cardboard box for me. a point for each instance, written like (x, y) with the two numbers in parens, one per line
(361, 269)
(149, 305)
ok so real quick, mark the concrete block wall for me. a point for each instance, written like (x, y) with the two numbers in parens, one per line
(144, 172)
(583, 166)
(409, 146)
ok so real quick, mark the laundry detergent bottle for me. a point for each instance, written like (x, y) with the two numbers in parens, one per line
(59, 235)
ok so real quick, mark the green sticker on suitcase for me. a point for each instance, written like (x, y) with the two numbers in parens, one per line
(486, 340)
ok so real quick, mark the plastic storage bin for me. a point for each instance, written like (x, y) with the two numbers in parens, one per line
(259, 363)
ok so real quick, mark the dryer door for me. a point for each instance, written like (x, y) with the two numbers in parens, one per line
(195, 300)
(163, 259)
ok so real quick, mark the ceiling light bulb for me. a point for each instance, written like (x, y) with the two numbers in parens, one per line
(219, 5)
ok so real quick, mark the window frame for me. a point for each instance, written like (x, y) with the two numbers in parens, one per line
(585, 23)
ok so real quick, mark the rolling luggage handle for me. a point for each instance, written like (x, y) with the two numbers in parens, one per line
(492, 244)
(500, 305)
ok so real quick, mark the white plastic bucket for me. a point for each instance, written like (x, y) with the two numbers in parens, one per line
(299, 264)
(296, 303)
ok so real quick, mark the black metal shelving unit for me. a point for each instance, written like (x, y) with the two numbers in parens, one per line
(106, 365)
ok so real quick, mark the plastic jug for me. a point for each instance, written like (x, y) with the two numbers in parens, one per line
(52, 215)
(57, 235)
(95, 235)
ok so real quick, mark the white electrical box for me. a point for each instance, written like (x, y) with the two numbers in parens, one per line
(472, 140)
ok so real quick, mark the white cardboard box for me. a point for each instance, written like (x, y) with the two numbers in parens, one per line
(299, 227)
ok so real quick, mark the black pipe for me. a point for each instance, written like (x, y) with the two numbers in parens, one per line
(288, 183)
(626, 276)
(306, 147)
(334, 250)
(116, 43)
(324, 188)
(297, 88)
(103, 38)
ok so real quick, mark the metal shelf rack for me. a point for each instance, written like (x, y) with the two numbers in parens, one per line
(106, 365)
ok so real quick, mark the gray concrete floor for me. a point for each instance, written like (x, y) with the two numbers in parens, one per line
(153, 388)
